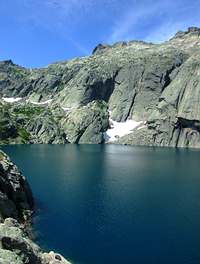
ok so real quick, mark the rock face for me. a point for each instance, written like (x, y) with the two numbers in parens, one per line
(15, 194)
(17, 248)
(87, 124)
(175, 121)
(27, 123)
(16, 204)
(154, 83)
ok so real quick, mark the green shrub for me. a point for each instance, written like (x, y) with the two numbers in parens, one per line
(24, 134)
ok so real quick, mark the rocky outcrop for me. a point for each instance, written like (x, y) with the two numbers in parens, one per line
(133, 78)
(15, 195)
(27, 123)
(16, 205)
(176, 120)
(87, 124)
(17, 248)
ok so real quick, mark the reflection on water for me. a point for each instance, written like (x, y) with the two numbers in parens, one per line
(115, 204)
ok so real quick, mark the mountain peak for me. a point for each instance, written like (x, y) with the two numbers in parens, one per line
(190, 31)
(7, 62)
(100, 48)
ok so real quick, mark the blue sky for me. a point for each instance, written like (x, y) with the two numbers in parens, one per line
(35, 33)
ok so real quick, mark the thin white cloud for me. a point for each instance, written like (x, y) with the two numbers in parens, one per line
(164, 32)
(124, 26)
(56, 16)
(159, 19)
(60, 15)
(170, 16)
(68, 7)
(78, 46)
(169, 28)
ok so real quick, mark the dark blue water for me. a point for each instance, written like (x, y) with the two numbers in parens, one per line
(115, 204)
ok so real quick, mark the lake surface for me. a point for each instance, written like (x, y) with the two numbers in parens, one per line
(115, 204)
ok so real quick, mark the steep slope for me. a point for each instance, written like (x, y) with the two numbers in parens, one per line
(15, 195)
(133, 78)
(176, 120)
(28, 123)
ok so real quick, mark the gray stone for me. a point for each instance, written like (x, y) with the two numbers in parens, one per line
(16, 198)
(137, 80)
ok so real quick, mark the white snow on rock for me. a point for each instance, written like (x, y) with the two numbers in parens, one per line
(41, 103)
(67, 108)
(120, 129)
(11, 99)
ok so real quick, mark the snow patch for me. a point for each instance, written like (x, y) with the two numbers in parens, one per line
(67, 108)
(11, 99)
(41, 103)
(120, 129)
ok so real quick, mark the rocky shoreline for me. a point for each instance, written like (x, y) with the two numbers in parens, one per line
(16, 208)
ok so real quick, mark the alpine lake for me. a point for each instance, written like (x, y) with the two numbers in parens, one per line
(104, 204)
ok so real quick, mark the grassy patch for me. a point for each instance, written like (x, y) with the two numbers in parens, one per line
(17, 72)
(28, 111)
(1, 156)
(24, 135)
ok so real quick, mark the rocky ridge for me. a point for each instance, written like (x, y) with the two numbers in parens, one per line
(16, 205)
(157, 84)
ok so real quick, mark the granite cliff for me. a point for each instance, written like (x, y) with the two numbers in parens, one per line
(157, 86)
